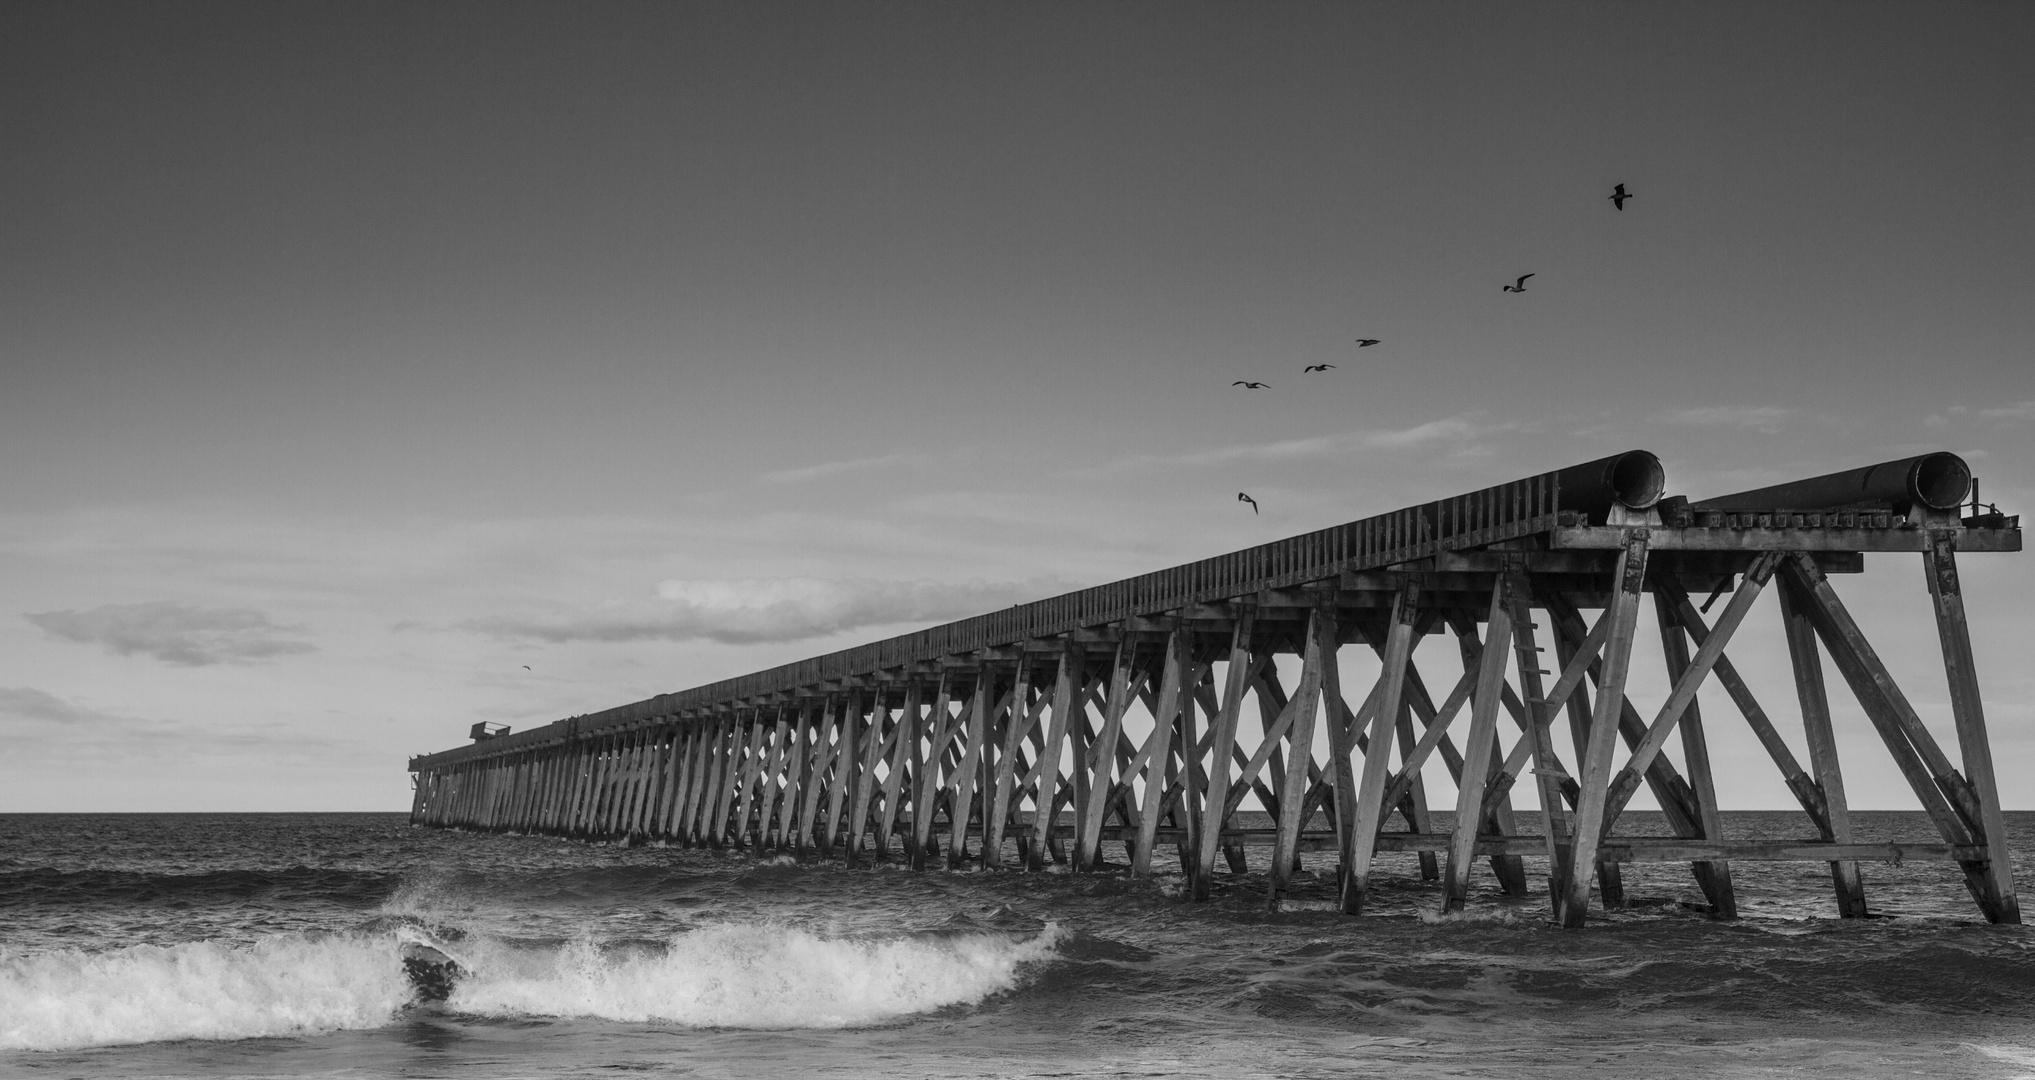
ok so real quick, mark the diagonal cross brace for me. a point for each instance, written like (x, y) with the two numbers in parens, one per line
(1627, 781)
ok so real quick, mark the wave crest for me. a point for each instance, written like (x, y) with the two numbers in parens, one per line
(741, 975)
(283, 985)
(748, 976)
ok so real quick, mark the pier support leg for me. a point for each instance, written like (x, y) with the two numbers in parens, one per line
(1159, 748)
(1017, 727)
(938, 729)
(1478, 759)
(1807, 660)
(967, 778)
(1968, 709)
(1293, 806)
(1100, 761)
(1222, 739)
(1713, 877)
(816, 785)
(1628, 581)
(1548, 773)
(841, 783)
(1943, 792)
(1360, 843)
(904, 753)
(1069, 684)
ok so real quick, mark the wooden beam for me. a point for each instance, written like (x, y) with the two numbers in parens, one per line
(1630, 578)
(940, 725)
(1306, 700)
(1967, 707)
(1538, 738)
(1101, 759)
(839, 779)
(1016, 729)
(1478, 759)
(904, 754)
(1369, 794)
(1810, 692)
(1222, 737)
(1936, 783)
(1804, 787)
(1069, 682)
(1714, 878)
(1158, 748)
(965, 780)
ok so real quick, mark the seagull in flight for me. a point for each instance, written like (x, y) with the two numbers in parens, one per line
(1521, 286)
(1317, 367)
(1241, 497)
(1618, 196)
(526, 667)
(1366, 342)
(1249, 385)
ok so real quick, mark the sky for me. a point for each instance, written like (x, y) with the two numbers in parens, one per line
(373, 369)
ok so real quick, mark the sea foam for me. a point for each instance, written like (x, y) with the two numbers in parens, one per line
(282, 985)
(749, 976)
(738, 975)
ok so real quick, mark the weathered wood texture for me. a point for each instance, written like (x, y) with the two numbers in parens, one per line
(1150, 713)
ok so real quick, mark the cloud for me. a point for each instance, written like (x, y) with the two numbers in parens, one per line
(1454, 427)
(2020, 410)
(176, 633)
(51, 726)
(39, 719)
(750, 611)
(1319, 447)
(1763, 417)
(28, 703)
(835, 468)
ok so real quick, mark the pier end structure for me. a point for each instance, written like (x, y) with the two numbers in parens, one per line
(1146, 712)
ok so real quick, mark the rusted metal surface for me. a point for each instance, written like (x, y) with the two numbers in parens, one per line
(1937, 481)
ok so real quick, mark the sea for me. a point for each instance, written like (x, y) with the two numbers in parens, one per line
(271, 945)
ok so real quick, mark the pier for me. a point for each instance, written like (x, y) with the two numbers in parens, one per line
(1117, 714)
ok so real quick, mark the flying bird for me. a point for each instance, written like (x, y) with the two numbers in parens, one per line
(1241, 497)
(526, 667)
(1521, 286)
(1248, 385)
(1618, 196)
(1366, 342)
(1317, 367)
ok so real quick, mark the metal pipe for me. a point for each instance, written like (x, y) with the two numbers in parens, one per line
(1937, 481)
(1633, 479)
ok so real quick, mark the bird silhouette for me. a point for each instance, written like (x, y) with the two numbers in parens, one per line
(1317, 367)
(526, 667)
(1366, 342)
(1241, 497)
(1248, 385)
(1521, 286)
(1618, 196)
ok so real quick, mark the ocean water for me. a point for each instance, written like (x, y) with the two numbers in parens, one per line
(271, 944)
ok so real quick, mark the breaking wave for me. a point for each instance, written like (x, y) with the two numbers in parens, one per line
(283, 985)
(748, 976)
(736, 975)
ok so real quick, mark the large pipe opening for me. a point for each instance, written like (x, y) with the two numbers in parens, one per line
(1940, 481)
(1637, 479)
(1633, 479)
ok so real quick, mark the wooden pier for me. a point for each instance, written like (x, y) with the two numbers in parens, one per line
(1118, 713)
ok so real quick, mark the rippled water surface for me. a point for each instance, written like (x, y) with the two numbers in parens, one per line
(270, 945)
